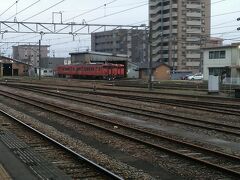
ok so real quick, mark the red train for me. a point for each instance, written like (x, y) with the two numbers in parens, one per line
(97, 71)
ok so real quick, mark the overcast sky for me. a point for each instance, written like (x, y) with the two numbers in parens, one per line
(224, 19)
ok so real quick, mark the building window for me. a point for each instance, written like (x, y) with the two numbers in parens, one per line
(217, 54)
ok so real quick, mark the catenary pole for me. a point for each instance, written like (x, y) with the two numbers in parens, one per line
(39, 58)
(150, 85)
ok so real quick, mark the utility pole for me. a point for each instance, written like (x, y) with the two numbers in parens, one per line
(39, 59)
(150, 85)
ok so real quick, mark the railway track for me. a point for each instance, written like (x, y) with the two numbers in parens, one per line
(215, 107)
(197, 105)
(222, 162)
(215, 126)
(73, 164)
(75, 88)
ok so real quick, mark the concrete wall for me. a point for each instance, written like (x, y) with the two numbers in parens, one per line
(29, 53)
(217, 63)
(133, 71)
(232, 60)
(21, 68)
(160, 73)
(51, 62)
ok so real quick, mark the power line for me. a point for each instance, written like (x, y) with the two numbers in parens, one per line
(129, 4)
(78, 15)
(94, 9)
(133, 8)
(233, 12)
(24, 9)
(225, 22)
(45, 10)
(118, 12)
(215, 2)
(9, 7)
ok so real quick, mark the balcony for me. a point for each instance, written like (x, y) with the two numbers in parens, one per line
(174, 31)
(193, 31)
(156, 57)
(156, 3)
(165, 56)
(193, 47)
(166, 23)
(193, 6)
(174, 14)
(156, 34)
(166, 31)
(193, 39)
(166, 7)
(155, 10)
(193, 56)
(156, 51)
(174, 23)
(193, 64)
(174, 6)
(194, 15)
(194, 23)
(155, 19)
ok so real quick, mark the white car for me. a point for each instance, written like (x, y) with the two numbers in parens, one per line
(197, 76)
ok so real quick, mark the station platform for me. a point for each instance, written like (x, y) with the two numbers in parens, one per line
(18, 161)
(11, 167)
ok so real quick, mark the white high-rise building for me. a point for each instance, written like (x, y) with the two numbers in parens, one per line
(179, 29)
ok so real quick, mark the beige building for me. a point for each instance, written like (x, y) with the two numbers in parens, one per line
(160, 71)
(179, 29)
(30, 53)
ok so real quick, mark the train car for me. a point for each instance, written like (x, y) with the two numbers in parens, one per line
(94, 71)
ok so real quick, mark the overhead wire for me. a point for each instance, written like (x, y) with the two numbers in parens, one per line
(44, 10)
(215, 2)
(24, 9)
(136, 7)
(83, 13)
(9, 7)
(91, 10)
(125, 10)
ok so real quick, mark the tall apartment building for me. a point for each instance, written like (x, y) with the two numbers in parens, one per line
(179, 29)
(122, 41)
(30, 53)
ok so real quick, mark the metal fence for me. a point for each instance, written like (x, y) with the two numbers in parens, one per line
(229, 86)
(231, 81)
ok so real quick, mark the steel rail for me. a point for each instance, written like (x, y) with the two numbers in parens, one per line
(133, 91)
(149, 112)
(218, 154)
(206, 103)
(65, 148)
